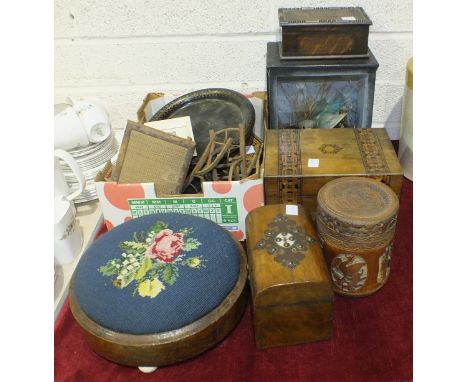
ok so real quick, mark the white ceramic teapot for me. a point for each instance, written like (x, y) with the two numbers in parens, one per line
(61, 187)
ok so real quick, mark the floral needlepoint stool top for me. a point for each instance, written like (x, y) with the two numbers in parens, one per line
(156, 273)
(153, 260)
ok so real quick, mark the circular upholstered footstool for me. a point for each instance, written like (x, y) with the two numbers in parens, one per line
(159, 289)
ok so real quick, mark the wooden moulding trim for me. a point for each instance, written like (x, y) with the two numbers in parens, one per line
(324, 300)
(323, 294)
(213, 326)
(337, 175)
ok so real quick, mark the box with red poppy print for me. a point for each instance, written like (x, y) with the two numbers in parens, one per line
(225, 203)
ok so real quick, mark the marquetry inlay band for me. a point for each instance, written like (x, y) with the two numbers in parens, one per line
(289, 166)
(372, 154)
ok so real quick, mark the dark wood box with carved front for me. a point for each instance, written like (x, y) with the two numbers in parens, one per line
(291, 289)
(299, 162)
(327, 32)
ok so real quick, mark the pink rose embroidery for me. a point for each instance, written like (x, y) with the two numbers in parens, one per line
(166, 247)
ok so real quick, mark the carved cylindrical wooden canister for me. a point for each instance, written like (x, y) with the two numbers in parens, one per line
(356, 220)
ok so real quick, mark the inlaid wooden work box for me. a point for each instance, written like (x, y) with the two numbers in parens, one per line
(299, 162)
(333, 32)
(325, 93)
(291, 289)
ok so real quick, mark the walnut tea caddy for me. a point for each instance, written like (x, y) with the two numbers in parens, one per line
(356, 220)
(292, 296)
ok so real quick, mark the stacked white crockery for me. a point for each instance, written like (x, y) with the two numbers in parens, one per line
(82, 128)
(91, 160)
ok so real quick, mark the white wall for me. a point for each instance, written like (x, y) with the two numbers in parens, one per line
(120, 50)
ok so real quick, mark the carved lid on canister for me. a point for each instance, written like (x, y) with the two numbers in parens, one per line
(357, 213)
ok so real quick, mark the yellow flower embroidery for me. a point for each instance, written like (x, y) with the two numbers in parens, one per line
(194, 262)
(150, 288)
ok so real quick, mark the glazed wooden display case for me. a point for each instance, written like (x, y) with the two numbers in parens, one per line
(328, 32)
(299, 162)
(327, 93)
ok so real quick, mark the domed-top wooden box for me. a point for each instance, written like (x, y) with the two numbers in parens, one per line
(292, 296)
(159, 289)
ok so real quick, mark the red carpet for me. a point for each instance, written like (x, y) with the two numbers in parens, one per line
(372, 339)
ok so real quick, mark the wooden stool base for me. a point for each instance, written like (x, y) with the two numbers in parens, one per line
(154, 350)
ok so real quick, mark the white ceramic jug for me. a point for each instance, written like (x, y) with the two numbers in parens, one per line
(60, 185)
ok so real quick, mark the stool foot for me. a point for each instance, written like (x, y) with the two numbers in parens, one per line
(147, 369)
